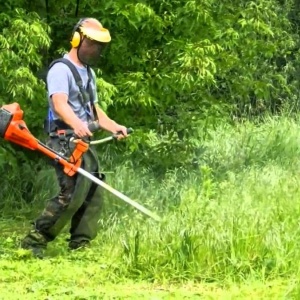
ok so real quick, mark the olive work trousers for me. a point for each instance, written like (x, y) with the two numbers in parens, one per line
(78, 202)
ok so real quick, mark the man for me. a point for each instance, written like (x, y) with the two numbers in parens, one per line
(79, 200)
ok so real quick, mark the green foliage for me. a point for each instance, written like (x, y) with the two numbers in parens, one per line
(174, 70)
(181, 67)
(23, 40)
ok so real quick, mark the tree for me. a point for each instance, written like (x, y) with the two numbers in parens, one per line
(174, 69)
(23, 39)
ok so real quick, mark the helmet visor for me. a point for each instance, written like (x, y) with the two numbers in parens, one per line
(100, 35)
(89, 51)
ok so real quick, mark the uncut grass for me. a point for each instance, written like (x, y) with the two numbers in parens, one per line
(244, 226)
(235, 217)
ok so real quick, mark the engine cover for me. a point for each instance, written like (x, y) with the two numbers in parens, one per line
(5, 119)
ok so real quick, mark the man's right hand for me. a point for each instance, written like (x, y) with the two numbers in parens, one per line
(66, 113)
(81, 129)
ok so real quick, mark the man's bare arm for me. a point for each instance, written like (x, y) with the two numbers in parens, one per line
(65, 112)
(108, 124)
(104, 121)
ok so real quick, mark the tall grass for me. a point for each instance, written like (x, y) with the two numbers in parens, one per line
(236, 216)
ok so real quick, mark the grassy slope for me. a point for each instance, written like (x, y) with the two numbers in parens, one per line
(87, 275)
(232, 228)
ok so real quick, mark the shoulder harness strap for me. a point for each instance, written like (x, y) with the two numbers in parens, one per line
(90, 91)
(82, 97)
(73, 69)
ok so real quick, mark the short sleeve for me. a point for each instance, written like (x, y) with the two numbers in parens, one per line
(58, 79)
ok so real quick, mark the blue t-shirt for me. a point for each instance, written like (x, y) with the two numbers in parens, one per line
(61, 80)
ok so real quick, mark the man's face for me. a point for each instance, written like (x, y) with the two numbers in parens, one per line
(89, 51)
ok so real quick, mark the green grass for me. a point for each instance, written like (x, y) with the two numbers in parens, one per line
(230, 228)
(90, 275)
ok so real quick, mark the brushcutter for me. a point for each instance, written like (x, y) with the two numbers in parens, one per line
(14, 129)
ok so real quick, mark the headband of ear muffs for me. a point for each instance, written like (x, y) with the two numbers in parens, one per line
(76, 37)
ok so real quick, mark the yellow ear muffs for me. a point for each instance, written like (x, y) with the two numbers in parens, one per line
(75, 37)
(75, 41)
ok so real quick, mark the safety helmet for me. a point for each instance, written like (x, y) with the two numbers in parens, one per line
(94, 31)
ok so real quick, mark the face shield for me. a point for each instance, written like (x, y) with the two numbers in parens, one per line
(89, 51)
(92, 44)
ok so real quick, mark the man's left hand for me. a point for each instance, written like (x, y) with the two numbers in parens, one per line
(121, 131)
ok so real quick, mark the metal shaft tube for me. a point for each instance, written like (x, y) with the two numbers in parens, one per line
(118, 194)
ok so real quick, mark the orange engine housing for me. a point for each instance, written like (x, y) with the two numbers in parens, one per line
(13, 127)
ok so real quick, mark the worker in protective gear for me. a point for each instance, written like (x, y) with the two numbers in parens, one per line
(72, 107)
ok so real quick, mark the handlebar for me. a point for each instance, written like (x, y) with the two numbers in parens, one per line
(114, 136)
(94, 126)
(129, 131)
